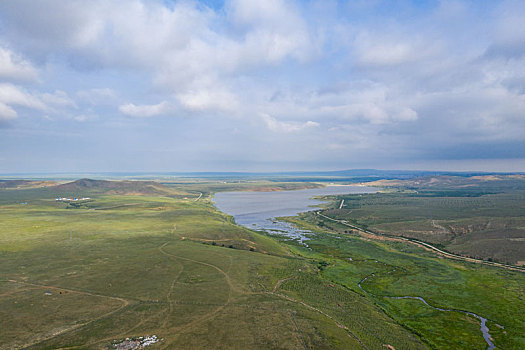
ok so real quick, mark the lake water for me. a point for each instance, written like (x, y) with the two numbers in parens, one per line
(258, 210)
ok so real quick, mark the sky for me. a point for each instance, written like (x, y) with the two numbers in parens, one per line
(233, 85)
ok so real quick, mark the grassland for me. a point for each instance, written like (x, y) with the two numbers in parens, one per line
(131, 263)
(483, 220)
(123, 266)
(396, 269)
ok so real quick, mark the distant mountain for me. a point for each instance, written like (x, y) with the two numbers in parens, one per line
(353, 175)
(349, 175)
(494, 182)
(23, 184)
(114, 187)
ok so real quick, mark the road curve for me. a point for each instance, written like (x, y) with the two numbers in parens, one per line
(427, 245)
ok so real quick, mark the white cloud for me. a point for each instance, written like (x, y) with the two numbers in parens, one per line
(286, 127)
(58, 99)
(6, 112)
(13, 97)
(370, 51)
(81, 118)
(390, 47)
(273, 30)
(97, 96)
(208, 100)
(188, 49)
(145, 111)
(406, 115)
(13, 67)
(445, 75)
(16, 96)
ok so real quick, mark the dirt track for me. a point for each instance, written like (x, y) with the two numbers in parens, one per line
(376, 235)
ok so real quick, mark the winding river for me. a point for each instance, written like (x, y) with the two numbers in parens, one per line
(484, 329)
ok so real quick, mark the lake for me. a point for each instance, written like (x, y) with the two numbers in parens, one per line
(258, 210)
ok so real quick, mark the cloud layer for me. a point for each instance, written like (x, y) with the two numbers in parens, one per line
(262, 84)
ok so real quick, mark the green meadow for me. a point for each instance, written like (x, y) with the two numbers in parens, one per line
(169, 264)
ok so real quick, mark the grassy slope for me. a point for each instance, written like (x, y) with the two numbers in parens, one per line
(208, 187)
(139, 265)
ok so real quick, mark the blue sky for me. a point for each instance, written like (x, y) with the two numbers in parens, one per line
(129, 85)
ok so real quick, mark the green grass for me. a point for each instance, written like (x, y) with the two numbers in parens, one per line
(128, 266)
(402, 270)
(180, 269)
(466, 222)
